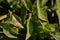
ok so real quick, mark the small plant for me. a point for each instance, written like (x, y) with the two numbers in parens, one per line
(30, 19)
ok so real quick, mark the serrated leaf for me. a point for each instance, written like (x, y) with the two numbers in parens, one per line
(41, 12)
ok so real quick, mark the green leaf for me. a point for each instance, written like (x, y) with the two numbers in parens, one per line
(2, 1)
(17, 17)
(6, 30)
(29, 28)
(27, 4)
(58, 9)
(14, 31)
(41, 12)
(23, 14)
(43, 2)
(14, 4)
(16, 22)
(8, 34)
(56, 36)
(55, 31)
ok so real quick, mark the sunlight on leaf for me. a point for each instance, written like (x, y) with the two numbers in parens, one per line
(41, 12)
(58, 9)
(29, 28)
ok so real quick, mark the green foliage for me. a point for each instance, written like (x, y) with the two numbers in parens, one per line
(30, 20)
